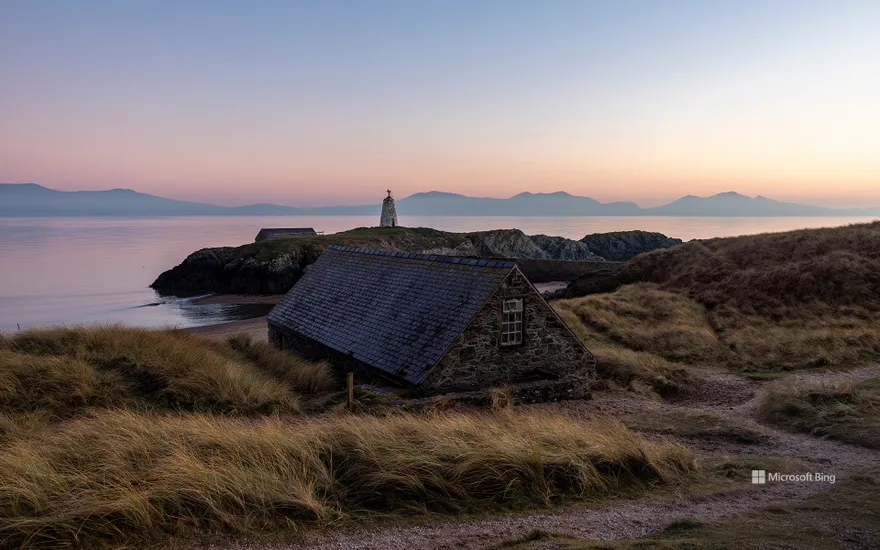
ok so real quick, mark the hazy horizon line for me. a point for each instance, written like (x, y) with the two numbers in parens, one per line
(656, 201)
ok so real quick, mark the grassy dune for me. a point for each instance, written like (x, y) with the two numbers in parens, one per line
(65, 370)
(840, 410)
(116, 435)
(630, 343)
(645, 319)
(759, 303)
(118, 474)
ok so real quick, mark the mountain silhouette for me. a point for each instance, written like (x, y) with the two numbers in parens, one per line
(32, 200)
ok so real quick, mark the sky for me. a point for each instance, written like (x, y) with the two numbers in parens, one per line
(332, 102)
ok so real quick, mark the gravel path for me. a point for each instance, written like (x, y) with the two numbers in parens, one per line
(732, 395)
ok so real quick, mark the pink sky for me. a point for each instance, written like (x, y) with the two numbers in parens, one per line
(333, 102)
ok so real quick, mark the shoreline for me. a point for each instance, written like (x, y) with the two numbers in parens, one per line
(255, 327)
(238, 299)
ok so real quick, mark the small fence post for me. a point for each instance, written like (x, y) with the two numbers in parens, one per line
(350, 387)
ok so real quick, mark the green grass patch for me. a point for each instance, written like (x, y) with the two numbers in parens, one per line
(844, 411)
(849, 512)
(697, 425)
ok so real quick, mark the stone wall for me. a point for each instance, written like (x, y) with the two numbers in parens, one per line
(549, 349)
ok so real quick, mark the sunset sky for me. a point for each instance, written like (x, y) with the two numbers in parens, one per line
(332, 102)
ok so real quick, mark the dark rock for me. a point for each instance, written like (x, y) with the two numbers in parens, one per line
(560, 248)
(621, 246)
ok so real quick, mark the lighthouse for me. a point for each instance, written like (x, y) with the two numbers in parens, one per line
(389, 214)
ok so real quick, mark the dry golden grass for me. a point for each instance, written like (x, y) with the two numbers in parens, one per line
(304, 376)
(63, 370)
(767, 273)
(620, 367)
(840, 410)
(802, 339)
(772, 302)
(115, 475)
(643, 318)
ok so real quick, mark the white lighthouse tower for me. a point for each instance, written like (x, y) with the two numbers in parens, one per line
(389, 213)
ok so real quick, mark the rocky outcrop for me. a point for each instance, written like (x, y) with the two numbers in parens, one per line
(498, 243)
(560, 248)
(272, 267)
(226, 270)
(506, 243)
(621, 246)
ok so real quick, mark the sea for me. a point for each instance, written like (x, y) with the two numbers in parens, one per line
(73, 271)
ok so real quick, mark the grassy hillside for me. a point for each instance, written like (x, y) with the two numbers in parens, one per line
(116, 436)
(773, 302)
(773, 273)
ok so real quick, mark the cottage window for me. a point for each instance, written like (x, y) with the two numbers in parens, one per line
(512, 322)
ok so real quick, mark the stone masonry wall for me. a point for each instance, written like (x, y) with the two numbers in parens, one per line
(549, 349)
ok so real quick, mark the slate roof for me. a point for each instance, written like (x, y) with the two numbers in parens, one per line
(397, 312)
(268, 233)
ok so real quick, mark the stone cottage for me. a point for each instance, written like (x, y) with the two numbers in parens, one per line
(431, 323)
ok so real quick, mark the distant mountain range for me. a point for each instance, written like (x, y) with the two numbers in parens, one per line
(32, 200)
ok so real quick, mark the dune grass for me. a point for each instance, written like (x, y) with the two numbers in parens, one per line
(644, 318)
(845, 411)
(758, 303)
(66, 370)
(114, 475)
(619, 366)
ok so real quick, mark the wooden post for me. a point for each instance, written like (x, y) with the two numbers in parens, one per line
(350, 385)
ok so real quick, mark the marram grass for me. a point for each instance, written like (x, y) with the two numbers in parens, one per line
(117, 475)
(66, 370)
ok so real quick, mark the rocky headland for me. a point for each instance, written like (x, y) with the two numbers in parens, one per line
(272, 267)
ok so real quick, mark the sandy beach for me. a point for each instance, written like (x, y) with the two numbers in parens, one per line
(255, 327)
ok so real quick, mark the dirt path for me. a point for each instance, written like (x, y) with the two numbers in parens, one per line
(733, 396)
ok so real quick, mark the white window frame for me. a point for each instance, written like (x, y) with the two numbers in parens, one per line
(512, 322)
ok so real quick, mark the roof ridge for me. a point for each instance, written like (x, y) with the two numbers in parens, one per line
(460, 260)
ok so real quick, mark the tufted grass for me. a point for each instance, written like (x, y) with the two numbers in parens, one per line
(642, 329)
(619, 367)
(67, 370)
(845, 411)
(121, 476)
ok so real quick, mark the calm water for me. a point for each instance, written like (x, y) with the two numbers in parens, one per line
(97, 270)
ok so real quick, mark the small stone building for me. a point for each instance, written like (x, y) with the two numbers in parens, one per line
(269, 233)
(431, 323)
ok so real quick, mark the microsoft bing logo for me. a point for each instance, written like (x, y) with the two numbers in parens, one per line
(759, 477)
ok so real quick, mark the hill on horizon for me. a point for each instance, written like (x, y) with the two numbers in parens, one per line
(33, 200)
